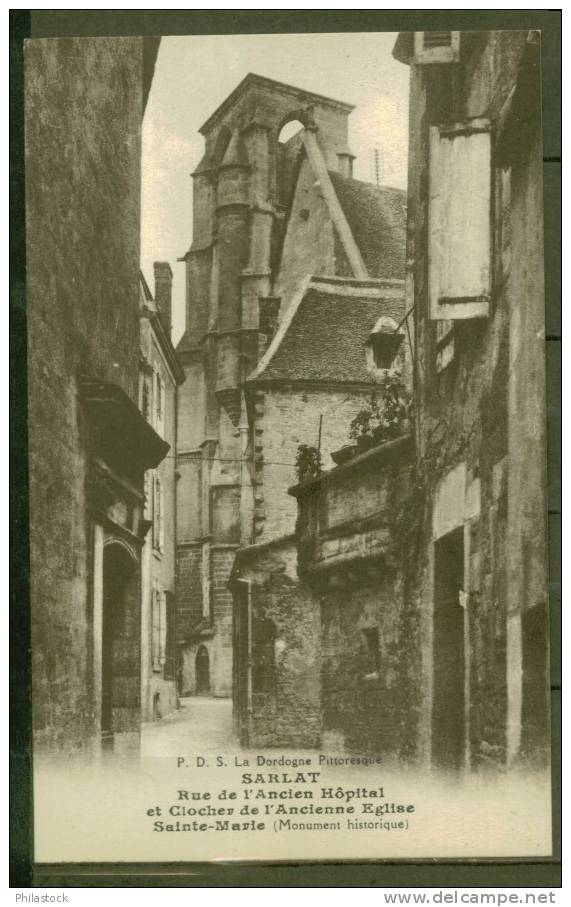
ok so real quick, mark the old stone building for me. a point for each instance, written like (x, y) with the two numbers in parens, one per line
(356, 550)
(407, 615)
(475, 279)
(318, 374)
(283, 247)
(89, 444)
(160, 375)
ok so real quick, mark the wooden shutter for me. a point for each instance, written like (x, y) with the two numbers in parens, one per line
(162, 628)
(148, 493)
(459, 228)
(156, 629)
(154, 400)
(160, 405)
(161, 498)
(436, 47)
(156, 512)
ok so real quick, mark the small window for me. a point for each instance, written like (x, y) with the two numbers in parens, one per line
(169, 669)
(145, 398)
(148, 496)
(156, 629)
(158, 517)
(436, 47)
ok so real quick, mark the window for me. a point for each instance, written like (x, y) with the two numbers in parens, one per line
(159, 629)
(170, 631)
(436, 47)
(148, 493)
(459, 221)
(158, 515)
(145, 398)
(384, 344)
(159, 388)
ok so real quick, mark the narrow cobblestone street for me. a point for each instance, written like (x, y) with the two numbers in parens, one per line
(201, 724)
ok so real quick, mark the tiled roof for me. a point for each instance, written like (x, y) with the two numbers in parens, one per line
(377, 218)
(323, 337)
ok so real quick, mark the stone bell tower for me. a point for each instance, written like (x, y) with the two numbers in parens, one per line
(241, 190)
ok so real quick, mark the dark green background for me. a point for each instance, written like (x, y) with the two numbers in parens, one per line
(53, 23)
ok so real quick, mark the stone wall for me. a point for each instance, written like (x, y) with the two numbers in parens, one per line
(284, 653)
(285, 418)
(483, 413)
(83, 121)
(367, 679)
(158, 567)
(357, 543)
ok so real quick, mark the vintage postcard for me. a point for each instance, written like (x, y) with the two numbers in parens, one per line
(287, 447)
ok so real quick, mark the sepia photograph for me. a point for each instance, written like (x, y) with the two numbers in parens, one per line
(287, 447)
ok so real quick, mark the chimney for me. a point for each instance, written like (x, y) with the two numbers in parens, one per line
(345, 160)
(163, 293)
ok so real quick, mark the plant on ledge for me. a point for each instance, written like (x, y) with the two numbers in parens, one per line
(384, 418)
(308, 463)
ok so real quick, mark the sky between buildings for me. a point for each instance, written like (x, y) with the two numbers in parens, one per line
(194, 74)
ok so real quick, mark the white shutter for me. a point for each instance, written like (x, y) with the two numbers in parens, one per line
(459, 240)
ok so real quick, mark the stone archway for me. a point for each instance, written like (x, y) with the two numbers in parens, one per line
(120, 645)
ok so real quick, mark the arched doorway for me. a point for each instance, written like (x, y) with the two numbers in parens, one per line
(202, 671)
(120, 644)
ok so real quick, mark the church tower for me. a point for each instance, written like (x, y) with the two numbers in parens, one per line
(242, 187)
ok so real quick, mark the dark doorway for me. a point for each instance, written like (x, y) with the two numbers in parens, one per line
(120, 645)
(535, 685)
(448, 718)
(202, 671)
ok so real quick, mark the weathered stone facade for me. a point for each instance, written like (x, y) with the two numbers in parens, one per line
(89, 446)
(480, 397)
(356, 545)
(261, 229)
(160, 375)
(421, 564)
(276, 649)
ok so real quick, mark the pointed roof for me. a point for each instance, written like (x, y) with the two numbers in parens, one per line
(252, 81)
